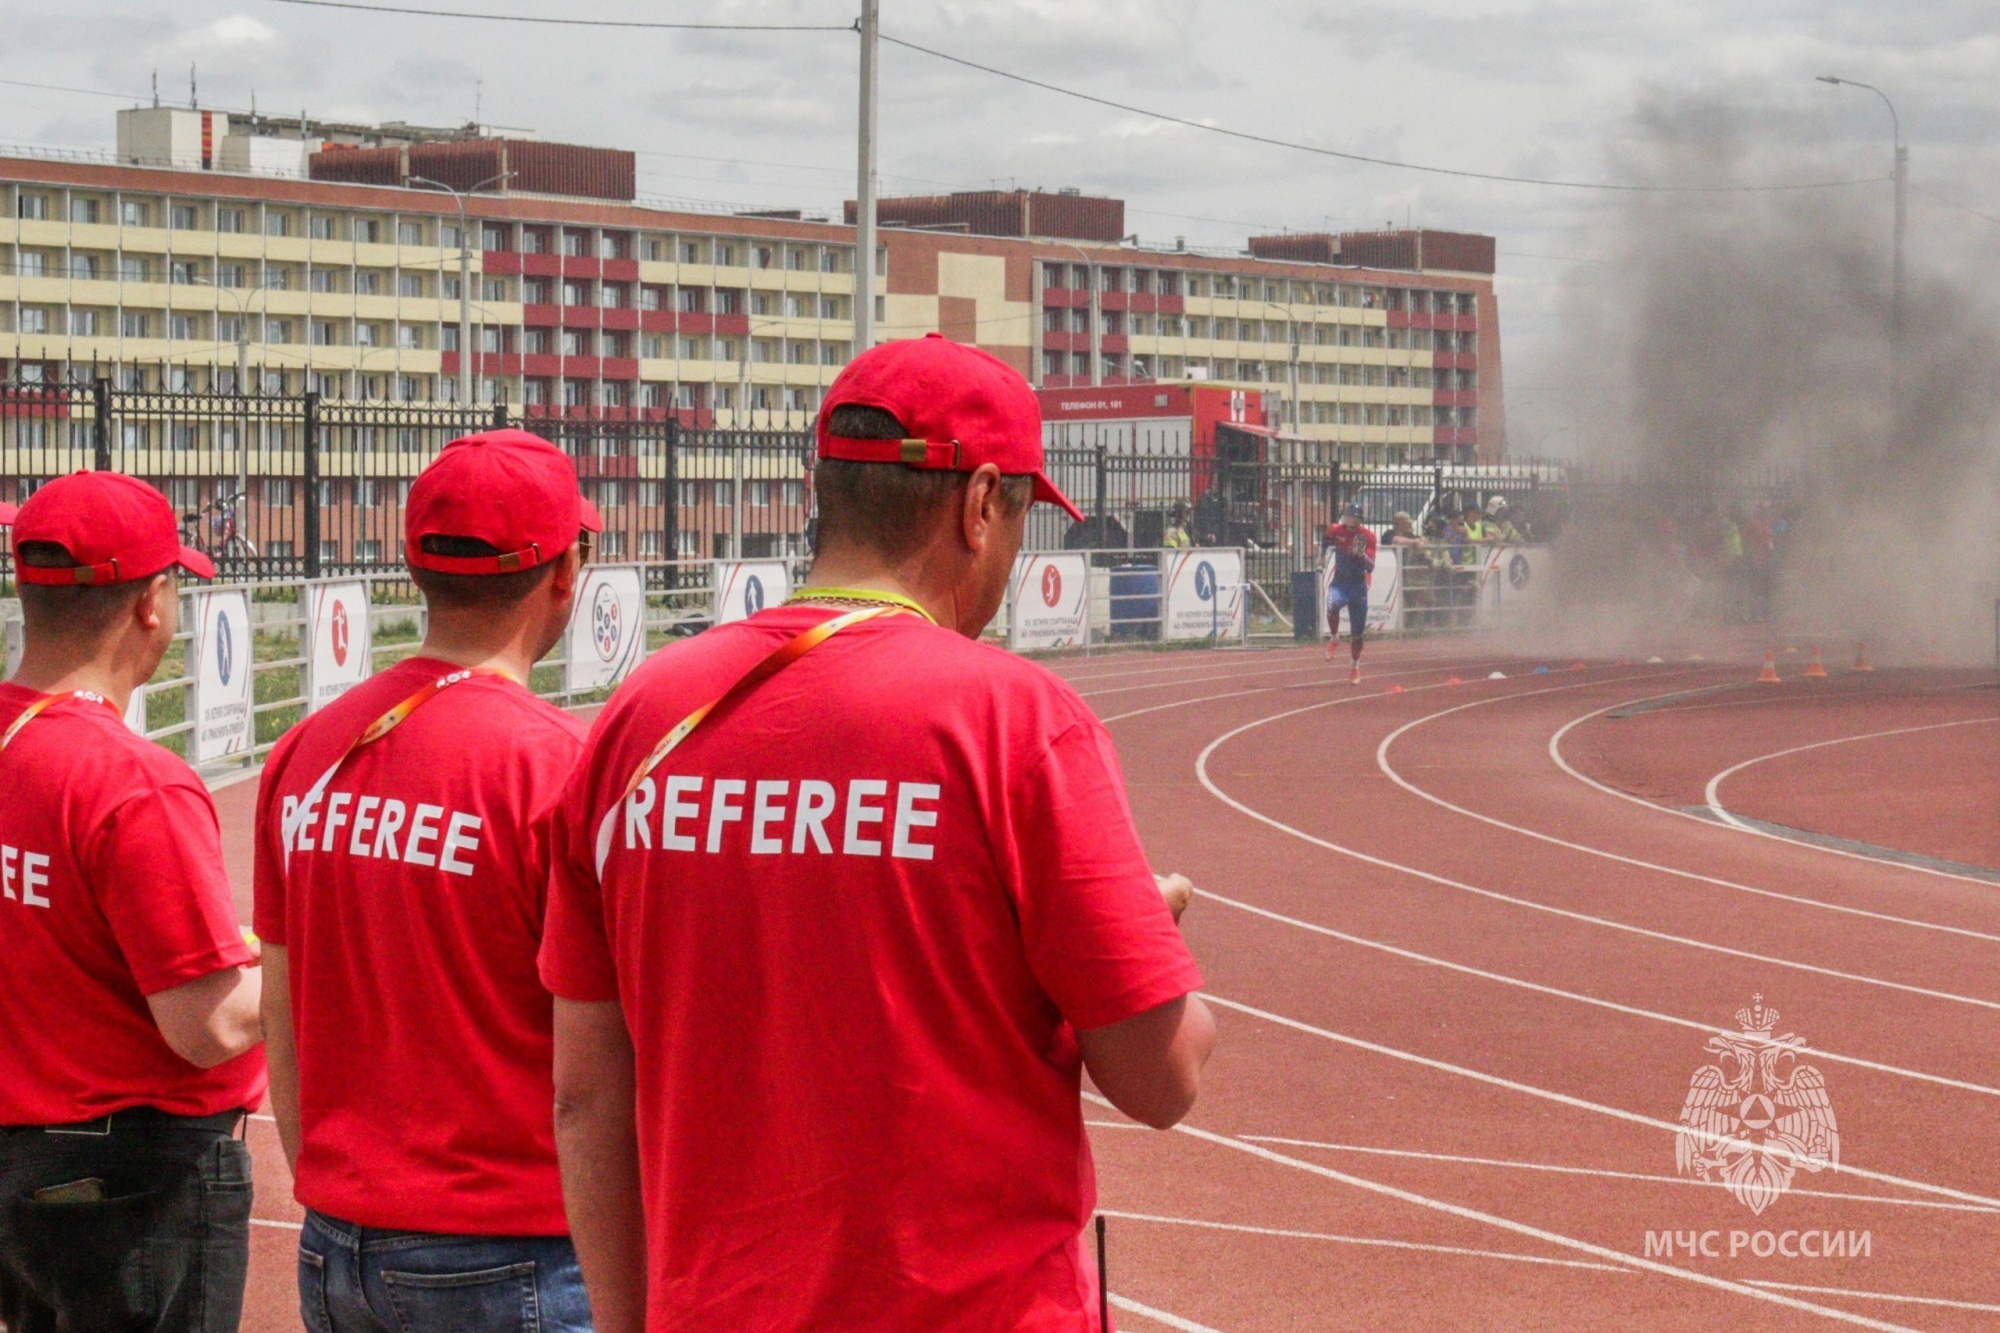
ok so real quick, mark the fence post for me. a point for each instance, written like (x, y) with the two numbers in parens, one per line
(309, 442)
(500, 415)
(1103, 483)
(100, 428)
(671, 500)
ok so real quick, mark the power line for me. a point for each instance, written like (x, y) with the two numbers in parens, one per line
(572, 23)
(1268, 141)
(1952, 203)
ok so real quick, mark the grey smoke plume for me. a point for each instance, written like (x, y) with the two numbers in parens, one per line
(1722, 340)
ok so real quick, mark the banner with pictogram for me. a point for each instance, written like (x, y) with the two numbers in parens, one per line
(740, 589)
(339, 636)
(1203, 595)
(607, 630)
(222, 657)
(1048, 602)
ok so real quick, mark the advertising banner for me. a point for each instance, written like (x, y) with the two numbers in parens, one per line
(742, 588)
(1385, 593)
(339, 639)
(607, 631)
(1048, 602)
(1516, 583)
(1203, 594)
(222, 651)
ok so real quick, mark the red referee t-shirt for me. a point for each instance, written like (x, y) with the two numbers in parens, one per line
(409, 900)
(853, 923)
(111, 889)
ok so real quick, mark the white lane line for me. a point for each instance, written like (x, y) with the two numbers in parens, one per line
(1375, 1241)
(1354, 698)
(1320, 667)
(1565, 1099)
(1201, 772)
(1577, 997)
(1854, 1294)
(1711, 793)
(267, 1119)
(1457, 1159)
(1119, 1124)
(273, 1222)
(1130, 1306)
(1555, 753)
(1537, 1233)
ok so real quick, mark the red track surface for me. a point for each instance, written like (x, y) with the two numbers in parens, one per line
(1464, 979)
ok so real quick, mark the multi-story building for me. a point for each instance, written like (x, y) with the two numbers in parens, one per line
(291, 257)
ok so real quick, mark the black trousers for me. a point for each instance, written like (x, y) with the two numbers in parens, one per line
(166, 1250)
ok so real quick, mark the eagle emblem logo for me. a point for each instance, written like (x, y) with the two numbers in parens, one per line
(1758, 1115)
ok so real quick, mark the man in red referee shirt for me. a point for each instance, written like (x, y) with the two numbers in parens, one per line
(128, 997)
(401, 874)
(830, 957)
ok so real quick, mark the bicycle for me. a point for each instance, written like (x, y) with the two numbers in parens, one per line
(213, 529)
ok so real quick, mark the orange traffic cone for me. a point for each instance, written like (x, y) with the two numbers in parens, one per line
(1395, 689)
(1453, 680)
(1861, 662)
(1815, 669)
(1769, 675)
(1578, 666)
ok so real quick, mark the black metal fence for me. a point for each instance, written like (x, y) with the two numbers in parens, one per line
(276, 486)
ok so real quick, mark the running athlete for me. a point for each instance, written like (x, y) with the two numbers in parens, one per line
(830, 957)
(1353, 548)
(401, 869)
(128, 994)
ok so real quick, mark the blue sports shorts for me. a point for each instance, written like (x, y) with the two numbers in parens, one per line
(1355, 599)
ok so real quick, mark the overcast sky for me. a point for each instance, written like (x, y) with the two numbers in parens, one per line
(1565, 90)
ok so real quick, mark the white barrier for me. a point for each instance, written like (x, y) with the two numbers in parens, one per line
(1048, 602)
(224, 658)
(1385, 593)
(1516, 583)
(742, 588)
(607, 630)
(340, 639)
(1203, 595)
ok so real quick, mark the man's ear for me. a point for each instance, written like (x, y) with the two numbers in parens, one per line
(983, 505)
(569, 573)
(149, 609)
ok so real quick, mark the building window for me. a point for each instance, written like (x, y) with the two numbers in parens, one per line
(611, 295)
(728, 301)
(409, 233)
(135, 324)
(575, 243)
(320, 226)
(410, 284)
(183, 326)
(83, 323)
(184, 217)
(576, 393)
(576, 293)
(229, 220)
(83, 210)
(575, 342)
(277, 224)
(690, 252)
(694, 300)
(725, 255)
(32, 207)
(324, 334)
(34, 320)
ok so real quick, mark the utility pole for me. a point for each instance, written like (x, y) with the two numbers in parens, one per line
(870, 28)
(1900, 172)
(464, 275)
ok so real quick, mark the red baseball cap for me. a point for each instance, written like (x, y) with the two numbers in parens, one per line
(963, 407)
(508, 488)
(117, 529)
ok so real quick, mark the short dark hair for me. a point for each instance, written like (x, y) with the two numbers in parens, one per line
(882, 506)
(475, 592)
(71, 610)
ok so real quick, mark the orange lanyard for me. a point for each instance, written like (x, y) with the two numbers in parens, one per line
(787, 653)
(375, 731)
(34, 710)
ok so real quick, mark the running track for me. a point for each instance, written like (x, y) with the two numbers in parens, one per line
(1466, 943)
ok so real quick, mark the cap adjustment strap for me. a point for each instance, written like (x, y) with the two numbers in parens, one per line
(940, 455)
(91, 574)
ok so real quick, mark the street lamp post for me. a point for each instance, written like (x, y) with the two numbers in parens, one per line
(1901, 174)
(464, 275)
(242, 300)
(1091, 272)
(869, 27)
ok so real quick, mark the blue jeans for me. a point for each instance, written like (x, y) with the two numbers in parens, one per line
(365, 1280)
